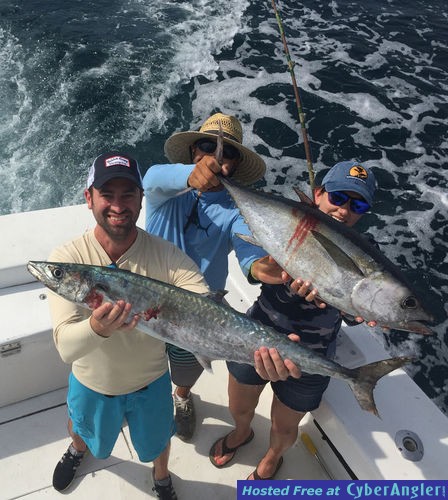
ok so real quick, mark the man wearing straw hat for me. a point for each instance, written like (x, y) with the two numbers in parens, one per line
(204, 222)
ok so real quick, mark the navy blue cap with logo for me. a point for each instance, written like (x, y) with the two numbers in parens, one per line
(351, 176)
(111, 166)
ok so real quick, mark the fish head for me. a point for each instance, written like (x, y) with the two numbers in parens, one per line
(384, 299)
(71, 281)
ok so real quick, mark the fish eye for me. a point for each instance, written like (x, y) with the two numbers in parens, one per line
(57, 273)
(409, 303)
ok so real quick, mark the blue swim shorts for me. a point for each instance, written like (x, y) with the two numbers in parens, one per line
(300, 394)
(98, 418)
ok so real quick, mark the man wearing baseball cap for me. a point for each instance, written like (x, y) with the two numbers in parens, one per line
(351, 176)
(109, 166)
(117, 371)
(346, 193)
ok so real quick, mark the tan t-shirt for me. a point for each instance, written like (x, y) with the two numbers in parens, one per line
(126, 361)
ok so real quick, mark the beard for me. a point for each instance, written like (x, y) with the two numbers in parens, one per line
(117, 232)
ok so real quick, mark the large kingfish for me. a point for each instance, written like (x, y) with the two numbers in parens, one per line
(348, 271)
(198, 323)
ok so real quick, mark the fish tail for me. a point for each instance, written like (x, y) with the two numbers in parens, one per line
(365, 377)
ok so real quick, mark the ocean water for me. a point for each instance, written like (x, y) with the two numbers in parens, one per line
(82, 77)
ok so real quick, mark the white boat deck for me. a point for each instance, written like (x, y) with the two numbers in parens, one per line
(33, 418)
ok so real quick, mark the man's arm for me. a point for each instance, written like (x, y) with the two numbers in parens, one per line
(76, 335)
(73, 334)
(245, 252)
(162, 182)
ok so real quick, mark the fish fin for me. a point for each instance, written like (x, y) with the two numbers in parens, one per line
(248, 239)
(304, 198)
(216, 295)
(365, 378)
(410, 326)
(338, 255)
(205, 363)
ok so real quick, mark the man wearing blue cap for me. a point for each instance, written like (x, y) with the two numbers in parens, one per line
(351, 176)
(346, 193)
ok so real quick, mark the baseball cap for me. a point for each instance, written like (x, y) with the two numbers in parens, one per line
(351, 176)
(112, 165)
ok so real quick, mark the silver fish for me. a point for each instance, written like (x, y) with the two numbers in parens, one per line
(199, 323)
(348, 272)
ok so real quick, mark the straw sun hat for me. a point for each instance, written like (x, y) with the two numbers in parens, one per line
(250, 168)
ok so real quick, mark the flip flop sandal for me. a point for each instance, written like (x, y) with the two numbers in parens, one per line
(226, 450)
(258, 478)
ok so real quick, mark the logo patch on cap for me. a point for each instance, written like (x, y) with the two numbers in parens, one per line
(117, 160)
(358, 171)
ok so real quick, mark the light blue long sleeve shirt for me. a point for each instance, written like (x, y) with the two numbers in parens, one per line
(211, 236)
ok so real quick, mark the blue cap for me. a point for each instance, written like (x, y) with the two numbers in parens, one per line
(351, 176)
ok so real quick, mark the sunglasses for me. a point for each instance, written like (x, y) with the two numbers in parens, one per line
(209, 146)
(339, 198)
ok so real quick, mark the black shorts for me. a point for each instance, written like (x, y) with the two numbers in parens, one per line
(300, 394)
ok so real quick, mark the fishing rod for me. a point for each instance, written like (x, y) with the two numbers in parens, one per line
(291, 65)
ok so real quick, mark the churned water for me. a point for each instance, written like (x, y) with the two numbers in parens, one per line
(82, 77)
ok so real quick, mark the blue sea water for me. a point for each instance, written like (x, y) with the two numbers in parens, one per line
(82, 77)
